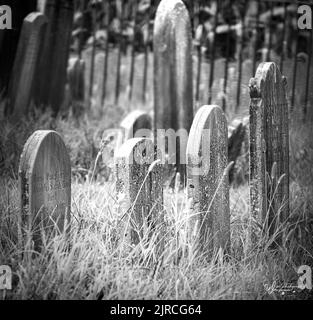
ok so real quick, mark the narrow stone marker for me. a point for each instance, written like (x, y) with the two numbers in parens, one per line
(173, 72)
(76, 79)
(207, 179)
(269, 146)
(137, 124)
(139, 186)
(23, 74)
(45, 186)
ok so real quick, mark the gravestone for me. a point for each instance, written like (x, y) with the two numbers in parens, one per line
(76, 79)
(207, 179)
(24, 69)
(51, 80)
(173, 71)
(137, 124)
(269, 146)
(45, 185)
(139, 187)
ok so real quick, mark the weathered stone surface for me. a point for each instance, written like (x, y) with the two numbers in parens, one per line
(173, 72)
(269, 145)
(137, 124)
(207, 179)
(45, 185)
(23, 75)
(139, 187)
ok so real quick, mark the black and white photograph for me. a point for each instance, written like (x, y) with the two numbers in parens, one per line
(156, 150)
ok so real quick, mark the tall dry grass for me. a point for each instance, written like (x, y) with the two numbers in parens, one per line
(98, 264)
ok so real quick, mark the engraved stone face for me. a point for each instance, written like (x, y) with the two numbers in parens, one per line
(45, 183)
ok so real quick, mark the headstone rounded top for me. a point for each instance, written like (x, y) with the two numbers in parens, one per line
(36, 17)
(202, 121)
(128, 151)
(266, 70)
(136, 120)
(170, 10)
(45, 181)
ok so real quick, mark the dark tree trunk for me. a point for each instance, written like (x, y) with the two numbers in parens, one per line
(51, 75)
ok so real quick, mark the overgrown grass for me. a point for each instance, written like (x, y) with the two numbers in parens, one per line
(99, 265)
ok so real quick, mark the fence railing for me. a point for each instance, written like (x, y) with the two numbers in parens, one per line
(230, 38)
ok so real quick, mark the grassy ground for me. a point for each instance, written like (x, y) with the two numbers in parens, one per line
(99, 265)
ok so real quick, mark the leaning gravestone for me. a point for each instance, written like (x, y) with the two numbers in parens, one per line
(269, 146)
(45, 185)
(173, 72)
(137, 124)
(139, 187)
(207, 179)
(21, 85)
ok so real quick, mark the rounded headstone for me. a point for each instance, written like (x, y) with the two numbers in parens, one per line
(207, 179)
(137, 124)
(173, 74)
(45, 184)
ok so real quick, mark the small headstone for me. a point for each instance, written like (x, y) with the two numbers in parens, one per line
(173, 71)
(23, 74)
(139, 187)
(137, 124)
(207, 179)
(269, 146)
(45, 185)
(76, 79)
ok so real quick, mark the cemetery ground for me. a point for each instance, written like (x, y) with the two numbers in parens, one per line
(96, 266)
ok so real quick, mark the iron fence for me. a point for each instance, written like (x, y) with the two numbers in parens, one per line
(228, 36)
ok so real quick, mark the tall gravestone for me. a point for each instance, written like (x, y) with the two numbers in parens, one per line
(137, 124)
(28, 52)
(173, 72)
(45, 186)
(269, 146)
(207, 179)
(139, 185)
(51, 79)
